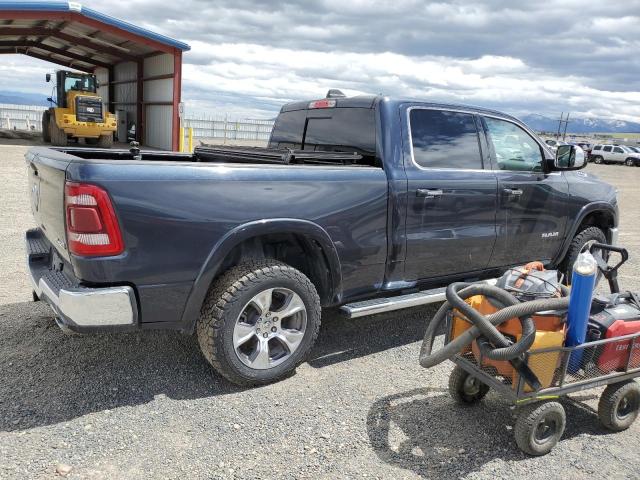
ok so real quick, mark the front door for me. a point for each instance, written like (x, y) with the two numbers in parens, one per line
(532, 212)
(451, 205)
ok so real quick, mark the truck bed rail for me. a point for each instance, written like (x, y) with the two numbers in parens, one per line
(284, 156)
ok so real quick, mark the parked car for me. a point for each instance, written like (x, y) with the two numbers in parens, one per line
(614, 154)
(586, 147)
(369, 204)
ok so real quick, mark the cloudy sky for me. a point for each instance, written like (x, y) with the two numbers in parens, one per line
(248, 56)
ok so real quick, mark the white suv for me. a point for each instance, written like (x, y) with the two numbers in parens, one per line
(615, 154)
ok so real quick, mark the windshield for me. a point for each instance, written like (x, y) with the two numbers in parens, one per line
(83, 83)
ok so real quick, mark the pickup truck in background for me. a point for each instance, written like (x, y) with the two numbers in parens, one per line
(365, 203)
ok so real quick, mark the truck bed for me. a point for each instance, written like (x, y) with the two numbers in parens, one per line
(225, 154)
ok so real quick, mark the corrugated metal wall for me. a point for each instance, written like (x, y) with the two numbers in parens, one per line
(158, 118)
(125, 94)
(102, 76)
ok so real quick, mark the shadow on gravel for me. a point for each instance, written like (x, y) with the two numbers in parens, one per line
(342, 339)
(424, 431)
(48, 377)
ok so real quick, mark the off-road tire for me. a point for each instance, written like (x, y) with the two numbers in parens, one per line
(57, 135)
(527, 428)
(581, 239)
(458, 388)
(225, 301)
(609, 406)
(46, 118)
(597, 159)
(105, 141)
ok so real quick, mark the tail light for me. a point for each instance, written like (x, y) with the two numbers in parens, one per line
(92, 226)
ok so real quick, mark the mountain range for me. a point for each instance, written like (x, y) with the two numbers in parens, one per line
(541, 123)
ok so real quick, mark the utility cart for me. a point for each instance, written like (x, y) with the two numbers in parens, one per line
(609, 362)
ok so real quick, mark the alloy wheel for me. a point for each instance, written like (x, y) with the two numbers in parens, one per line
(270, 328)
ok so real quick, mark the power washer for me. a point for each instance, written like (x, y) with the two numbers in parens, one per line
(519, 296)
(532, 340)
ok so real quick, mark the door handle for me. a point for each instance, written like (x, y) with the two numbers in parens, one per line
(516, 192)
(429, 192)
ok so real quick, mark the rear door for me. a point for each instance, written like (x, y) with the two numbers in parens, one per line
(618, 155)
(451, 204)
(532, 212)
(607, 153)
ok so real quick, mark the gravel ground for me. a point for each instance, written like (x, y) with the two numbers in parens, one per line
(148, 406)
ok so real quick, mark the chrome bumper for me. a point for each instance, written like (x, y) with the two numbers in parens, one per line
(613, 236)
(78, 308)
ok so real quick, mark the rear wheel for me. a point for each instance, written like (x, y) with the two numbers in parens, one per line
(619, 404)
(597, 159)
(539, 427)
(105, 141)
(259, 322)
(46, 136)
(583, 240)
(464, 388)
(58, 136)
(630, 162)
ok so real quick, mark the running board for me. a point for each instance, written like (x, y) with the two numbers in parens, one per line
(381, 305)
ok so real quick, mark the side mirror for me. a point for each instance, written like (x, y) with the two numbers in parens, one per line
(569, 157)
(48, 77)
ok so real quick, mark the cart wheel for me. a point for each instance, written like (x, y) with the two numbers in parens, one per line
(539, 426)
(619, 405)
(465, 388)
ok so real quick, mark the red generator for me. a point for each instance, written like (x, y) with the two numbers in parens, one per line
(614, 315)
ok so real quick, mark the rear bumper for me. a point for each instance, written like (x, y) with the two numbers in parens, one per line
(78, 309)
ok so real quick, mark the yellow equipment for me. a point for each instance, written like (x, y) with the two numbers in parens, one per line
(550, 332)
(79, 112)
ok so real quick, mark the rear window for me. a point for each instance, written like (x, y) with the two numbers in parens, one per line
(328, 130)
(607, 149)
(598, 147)
(443, 139)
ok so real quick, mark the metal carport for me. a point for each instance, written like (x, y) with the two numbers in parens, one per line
(139, 71)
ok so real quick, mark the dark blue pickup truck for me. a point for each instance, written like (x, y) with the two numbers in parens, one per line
(369, 204)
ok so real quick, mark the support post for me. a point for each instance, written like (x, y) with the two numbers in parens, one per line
(190, 140)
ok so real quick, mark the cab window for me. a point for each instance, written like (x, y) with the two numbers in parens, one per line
(442, 139)
(514, 149)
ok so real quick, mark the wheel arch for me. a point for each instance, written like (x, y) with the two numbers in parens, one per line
(250, 240)
(597, 214)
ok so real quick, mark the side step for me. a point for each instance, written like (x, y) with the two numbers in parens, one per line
(381, 305)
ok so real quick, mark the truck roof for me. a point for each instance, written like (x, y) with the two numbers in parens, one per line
(370, 101)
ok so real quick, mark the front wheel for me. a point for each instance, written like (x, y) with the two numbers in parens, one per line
(259, 322)
(582, 241)
(539, 427)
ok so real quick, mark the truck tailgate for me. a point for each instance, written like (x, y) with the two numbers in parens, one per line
(46, 172)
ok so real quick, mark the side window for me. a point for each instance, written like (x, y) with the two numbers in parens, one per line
(598, 147)
(617, 150)
(607, 149)
(514, 148)
(442, 139)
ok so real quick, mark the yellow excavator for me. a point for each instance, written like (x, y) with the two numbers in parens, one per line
(78, 112)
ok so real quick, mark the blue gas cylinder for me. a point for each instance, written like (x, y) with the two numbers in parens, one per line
(583, 281)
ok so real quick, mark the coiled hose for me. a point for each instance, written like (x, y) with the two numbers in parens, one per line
(491, 341)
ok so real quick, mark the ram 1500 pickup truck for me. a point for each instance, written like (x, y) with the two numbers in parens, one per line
(365, 203)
